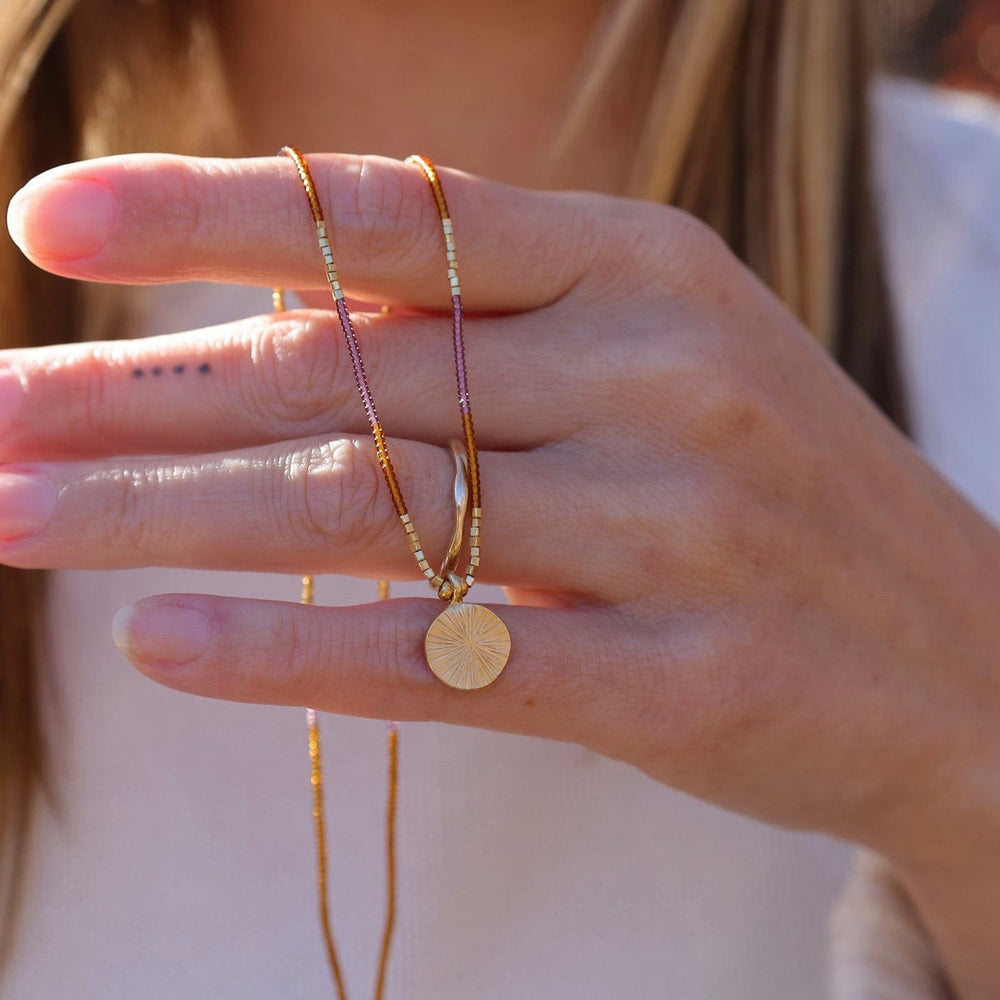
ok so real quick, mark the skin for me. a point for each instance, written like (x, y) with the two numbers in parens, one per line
(728, 569)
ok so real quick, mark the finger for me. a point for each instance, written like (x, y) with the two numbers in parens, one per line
(369, 660)
(315, 506)
(285, 376)
(154, 218)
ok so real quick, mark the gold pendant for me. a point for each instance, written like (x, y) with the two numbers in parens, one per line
(467, 646)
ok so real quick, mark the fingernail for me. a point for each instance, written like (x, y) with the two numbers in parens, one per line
(161, 633)
(11, 395)
(26, 503)
(62, 219)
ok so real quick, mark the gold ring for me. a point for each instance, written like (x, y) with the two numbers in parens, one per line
(461, 494)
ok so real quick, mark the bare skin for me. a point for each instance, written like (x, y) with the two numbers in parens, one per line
(729, 570)
(479, 86)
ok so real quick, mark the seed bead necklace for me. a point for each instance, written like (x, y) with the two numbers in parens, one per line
(467, 646)
(319, 812)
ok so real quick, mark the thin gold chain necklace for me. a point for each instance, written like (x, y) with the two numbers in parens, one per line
(467, 646)
(319, 830)
(319, 814)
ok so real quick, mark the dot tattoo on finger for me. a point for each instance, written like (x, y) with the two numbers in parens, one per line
(179, 369)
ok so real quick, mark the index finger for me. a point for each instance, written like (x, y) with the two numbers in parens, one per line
(150, 218)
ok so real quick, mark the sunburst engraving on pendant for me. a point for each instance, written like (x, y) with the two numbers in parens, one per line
(467, 646)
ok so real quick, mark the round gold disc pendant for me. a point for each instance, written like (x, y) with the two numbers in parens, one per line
(467, 646)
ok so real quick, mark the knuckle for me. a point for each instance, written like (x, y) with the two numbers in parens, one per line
(717, 683)
(188, 209)
(348, 664)
(299, 648)
(699, 256)
(289, 656)
(297, 372)
(339, 497)
(646, 243)
(724, 416)
(128, 499)
(719, 409)
(98, 401)
(387, 644)
(391, 213)
(361, 507)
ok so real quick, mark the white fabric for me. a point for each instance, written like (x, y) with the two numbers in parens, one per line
(938, 171)
(179, 862)
(880, 950)
(939, 180)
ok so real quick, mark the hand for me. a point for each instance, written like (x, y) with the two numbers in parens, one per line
(729, 570)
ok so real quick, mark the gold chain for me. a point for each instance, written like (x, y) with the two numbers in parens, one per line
(319, 828)
(319, 813)
(466, 646)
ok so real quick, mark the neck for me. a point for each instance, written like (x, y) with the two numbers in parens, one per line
(478, 85)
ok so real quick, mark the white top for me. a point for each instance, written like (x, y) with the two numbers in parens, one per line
(180, 861)
(939, 178)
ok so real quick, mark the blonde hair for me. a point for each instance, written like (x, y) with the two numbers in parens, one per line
(755, 122)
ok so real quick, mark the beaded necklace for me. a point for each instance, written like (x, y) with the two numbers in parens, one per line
(467, 645)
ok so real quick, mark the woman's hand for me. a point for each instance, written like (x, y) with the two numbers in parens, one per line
(729, 569)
